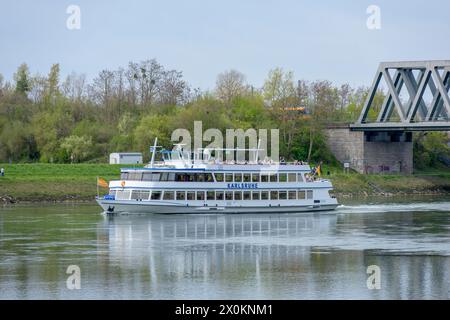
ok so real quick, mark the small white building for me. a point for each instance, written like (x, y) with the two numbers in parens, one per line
(125, 158)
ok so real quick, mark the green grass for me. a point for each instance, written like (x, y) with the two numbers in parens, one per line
(55, 182)
(50, 182)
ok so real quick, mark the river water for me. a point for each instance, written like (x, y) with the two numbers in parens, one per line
(266, 256)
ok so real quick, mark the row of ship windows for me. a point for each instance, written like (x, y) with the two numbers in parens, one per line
(212, 195)
(216, 177)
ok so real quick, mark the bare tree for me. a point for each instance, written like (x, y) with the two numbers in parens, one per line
(173, 88)
(230, 84)
(102, 87)
(345, 92)
(74, 86)
(38, 86)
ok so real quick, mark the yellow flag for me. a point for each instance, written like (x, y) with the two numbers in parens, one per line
(102, 183)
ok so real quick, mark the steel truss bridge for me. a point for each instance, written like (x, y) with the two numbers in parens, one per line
(414, 114)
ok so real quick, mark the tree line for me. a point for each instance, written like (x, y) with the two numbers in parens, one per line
(47, 119)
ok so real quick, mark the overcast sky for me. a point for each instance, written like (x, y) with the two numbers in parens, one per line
(316, 39)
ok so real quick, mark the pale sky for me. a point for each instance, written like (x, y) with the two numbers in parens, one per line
(315, 39)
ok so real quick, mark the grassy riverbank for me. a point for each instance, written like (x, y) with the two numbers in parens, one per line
(59, 182)
(54, 182)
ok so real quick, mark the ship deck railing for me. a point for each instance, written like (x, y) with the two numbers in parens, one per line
(215, 162)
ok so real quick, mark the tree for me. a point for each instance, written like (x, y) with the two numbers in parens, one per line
(74, 86)
(16, 142)
(229, 85)
(38, 88)
(49, 128)
(1, 85)
(282, 97)
(22, 78)
(149, 128)
(52, 89)
(77, 147)
(173, 89)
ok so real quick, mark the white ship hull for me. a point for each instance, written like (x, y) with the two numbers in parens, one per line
(141, 207)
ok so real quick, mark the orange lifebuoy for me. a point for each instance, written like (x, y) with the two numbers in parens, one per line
(122, 184)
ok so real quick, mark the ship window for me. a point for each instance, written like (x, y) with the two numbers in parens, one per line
(299, 177)
(219, 195)
(301, 194)
(190, 177)
(209, 177)
(283, 195)
(181, 195)
(292, 195)
(190, 195)
(229, 195)
(200, 195)
(247, 177)
(146, 176)
(123, 195)
(247, 195)
(150, 176)
(292, 177)
(141, 195)
(135, 194)
(255, 177)
(273, 195)
(179, 177)
(169, 195)
(264, 195)
(164, 176)
(156, 195)
(238, 177)
(273, 177)
(228, 177)
(124, 176)
(264, 178)
(200, 177)
(283, 177)
(255, 195)
(309, 194)
(210, 195)
(238, 195)
(135, 176)
(167, 176)
(219, 177)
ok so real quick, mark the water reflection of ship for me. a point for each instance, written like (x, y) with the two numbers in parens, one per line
(198, 246)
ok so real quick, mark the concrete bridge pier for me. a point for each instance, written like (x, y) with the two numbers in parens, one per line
(372, 151)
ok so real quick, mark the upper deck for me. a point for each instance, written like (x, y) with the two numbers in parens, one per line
(211, 160)
(226, 168)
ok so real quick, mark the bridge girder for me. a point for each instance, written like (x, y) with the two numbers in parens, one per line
(414, 114)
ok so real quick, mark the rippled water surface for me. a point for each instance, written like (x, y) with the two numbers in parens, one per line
(251, 256)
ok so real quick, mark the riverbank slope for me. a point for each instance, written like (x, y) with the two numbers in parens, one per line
(77, 182)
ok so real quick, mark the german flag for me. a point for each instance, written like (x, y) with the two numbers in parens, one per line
(102, 183)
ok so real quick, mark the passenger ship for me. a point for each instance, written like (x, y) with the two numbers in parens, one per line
(183, 183)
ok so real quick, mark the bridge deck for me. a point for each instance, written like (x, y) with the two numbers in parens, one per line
(399, 126)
